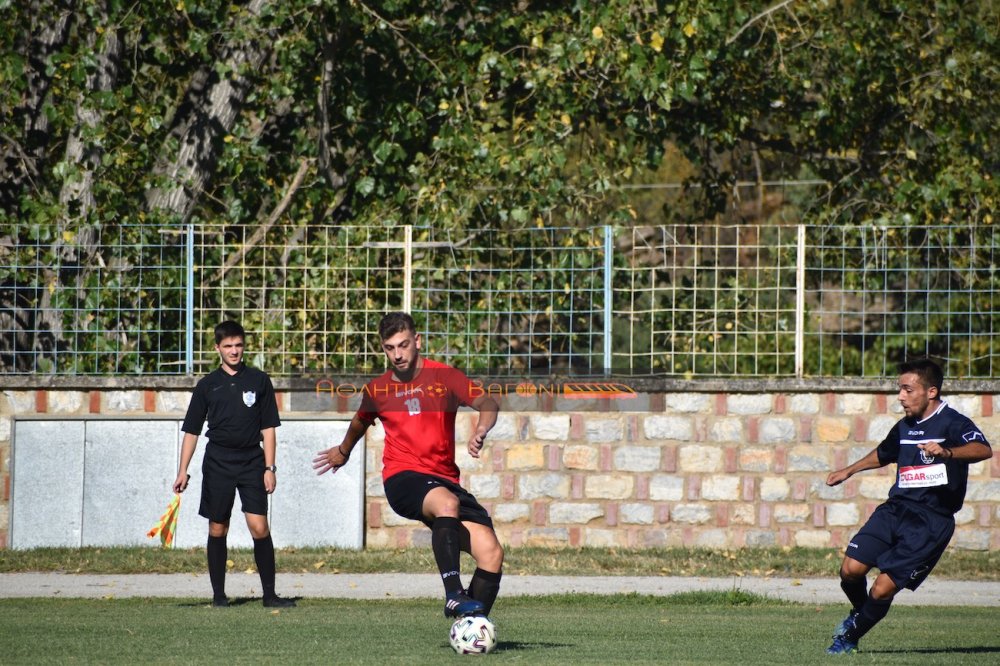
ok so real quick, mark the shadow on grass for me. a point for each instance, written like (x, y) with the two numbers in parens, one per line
(519, 646)
(233, 601)
(983, 649)
(504, 646)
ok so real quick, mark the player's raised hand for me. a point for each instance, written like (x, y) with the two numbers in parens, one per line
(934, 449)
(837, 477)
(330, 460)
(476, 443)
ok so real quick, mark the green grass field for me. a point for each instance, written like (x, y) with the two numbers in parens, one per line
(693, 628)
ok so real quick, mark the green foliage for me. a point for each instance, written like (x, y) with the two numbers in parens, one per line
(467, 118)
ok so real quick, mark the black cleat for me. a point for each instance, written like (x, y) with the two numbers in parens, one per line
(220, 602)
(278, 602)
(461, 604)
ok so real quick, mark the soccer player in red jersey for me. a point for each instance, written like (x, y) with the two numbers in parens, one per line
(417, 400)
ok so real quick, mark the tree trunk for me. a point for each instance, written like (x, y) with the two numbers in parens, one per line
(77, 191)
(21, 161)
(213, 105)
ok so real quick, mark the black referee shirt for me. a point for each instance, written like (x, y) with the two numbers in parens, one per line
(237, 407)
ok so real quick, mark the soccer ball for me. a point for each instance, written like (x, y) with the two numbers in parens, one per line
(474, 634)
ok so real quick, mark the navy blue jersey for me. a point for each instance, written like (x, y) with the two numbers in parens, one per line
(935, 483)
(237, 407)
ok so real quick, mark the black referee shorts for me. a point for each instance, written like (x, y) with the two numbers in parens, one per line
(225, 471)
(405, 492)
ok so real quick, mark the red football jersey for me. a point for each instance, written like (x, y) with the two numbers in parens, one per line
(419, 418)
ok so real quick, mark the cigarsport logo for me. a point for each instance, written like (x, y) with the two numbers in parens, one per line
(923, 476)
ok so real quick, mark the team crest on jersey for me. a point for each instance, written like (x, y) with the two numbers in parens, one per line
(249, 398)
(925, 457)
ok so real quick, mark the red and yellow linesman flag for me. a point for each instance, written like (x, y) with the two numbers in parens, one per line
(167, 524)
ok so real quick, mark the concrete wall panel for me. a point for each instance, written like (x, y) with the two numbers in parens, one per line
(128, 469)
(310, 510)
(105, 482)
(47, 492)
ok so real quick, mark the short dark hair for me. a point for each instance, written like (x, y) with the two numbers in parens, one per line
(229, 329)
(396, 322)
(929, 371)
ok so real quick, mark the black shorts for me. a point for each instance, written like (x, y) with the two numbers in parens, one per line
(903, 542)
(223, 472)
(405, 492)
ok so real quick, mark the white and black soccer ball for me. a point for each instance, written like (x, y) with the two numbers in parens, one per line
(474, 634)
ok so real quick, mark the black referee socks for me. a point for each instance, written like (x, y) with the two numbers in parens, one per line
(263, 555)
(217, 555)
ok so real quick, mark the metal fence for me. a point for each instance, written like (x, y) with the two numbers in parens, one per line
(680, 301)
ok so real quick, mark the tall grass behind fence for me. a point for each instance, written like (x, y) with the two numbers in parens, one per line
(678, 301)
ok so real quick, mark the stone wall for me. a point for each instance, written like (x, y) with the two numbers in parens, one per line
(715, 468)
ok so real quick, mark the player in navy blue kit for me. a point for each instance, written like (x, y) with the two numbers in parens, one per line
(242, 412)
(932, 447)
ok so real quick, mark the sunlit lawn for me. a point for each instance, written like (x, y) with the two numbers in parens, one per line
(692, 628)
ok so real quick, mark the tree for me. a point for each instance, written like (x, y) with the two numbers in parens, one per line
(122, 115)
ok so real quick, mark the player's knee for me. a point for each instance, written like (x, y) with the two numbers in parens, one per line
(218, 529)
(850, 572)
(440, 503)
(490, 557)
(883, 588)
(260, 533)
(448, 507)
(444, 510)
(500, 556)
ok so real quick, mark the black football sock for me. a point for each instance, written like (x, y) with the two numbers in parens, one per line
(871, 614)
(263, 555)
(447, 553)
(217, 555)
(484, 587)
(856, 591)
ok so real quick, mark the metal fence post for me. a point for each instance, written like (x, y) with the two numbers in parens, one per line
(407, 267)
(189, 304)
(800, 300)
(608, 301)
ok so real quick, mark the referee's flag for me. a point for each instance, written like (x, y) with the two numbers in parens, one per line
(167, 524)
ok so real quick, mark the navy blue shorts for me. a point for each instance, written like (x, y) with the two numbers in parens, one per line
(405, 492)
(902, 542)
(225, 471)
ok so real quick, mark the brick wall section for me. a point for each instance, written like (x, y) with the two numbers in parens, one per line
(697, 469)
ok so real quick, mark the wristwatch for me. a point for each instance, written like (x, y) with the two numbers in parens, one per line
(271, 468)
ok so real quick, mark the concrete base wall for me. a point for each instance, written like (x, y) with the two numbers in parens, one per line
(105, 482)
(712, 469)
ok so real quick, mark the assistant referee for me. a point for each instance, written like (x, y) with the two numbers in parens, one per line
(241, 410)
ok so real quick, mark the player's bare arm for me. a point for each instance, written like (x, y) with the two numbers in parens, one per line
(488, 409)
(972, 452)
(870, 461)
(336, 457)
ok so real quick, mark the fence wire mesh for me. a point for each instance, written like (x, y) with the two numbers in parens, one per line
(679, 301)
